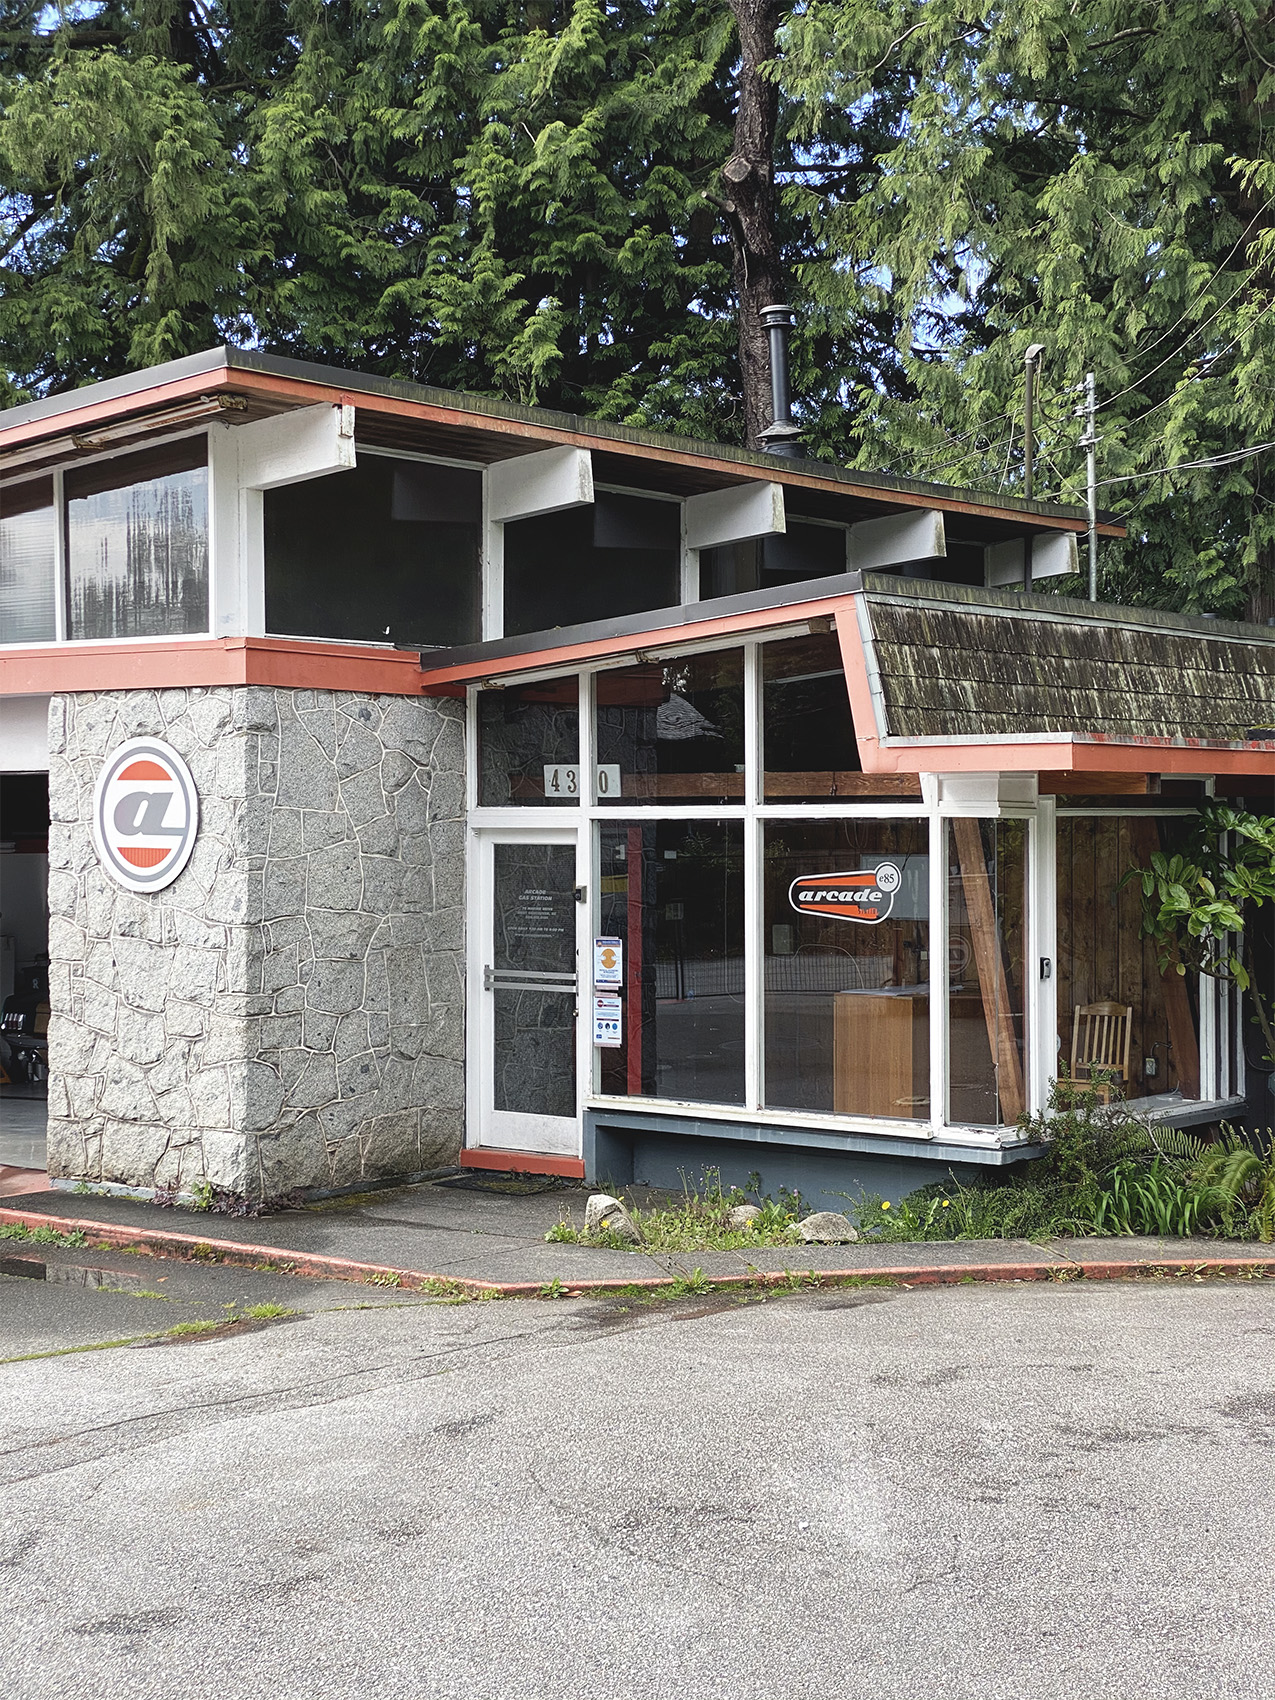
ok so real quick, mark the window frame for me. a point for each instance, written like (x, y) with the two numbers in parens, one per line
(1039, 995)
(61, 562)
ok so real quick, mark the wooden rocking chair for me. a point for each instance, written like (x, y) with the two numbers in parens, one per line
(1101, 1034)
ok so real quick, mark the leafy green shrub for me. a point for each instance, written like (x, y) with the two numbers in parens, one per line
(1102, 1172)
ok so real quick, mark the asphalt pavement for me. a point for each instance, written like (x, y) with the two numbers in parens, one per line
(1045, 1490)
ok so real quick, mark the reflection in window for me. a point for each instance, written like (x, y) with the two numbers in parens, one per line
(847, 961)
(533, 947)
(137, 544)
(673, 893)
(987, 931)
(621, 555)
(387, 552)
(1102, 961)
(27, 562)
(809, 745)
(529, 744)
(672, 731)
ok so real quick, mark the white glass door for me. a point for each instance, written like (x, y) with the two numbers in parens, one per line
(528, 994)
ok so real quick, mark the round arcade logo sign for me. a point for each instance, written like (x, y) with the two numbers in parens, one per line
(867, 897)
(145, 814)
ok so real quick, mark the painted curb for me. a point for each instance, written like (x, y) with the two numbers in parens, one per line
(279, 1259)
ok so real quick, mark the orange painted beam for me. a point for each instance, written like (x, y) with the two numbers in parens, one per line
(522, 1163)
(93, 415)
(301, 664)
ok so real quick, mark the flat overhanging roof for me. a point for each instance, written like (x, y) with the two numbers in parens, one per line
(393, 412)
(944, 678)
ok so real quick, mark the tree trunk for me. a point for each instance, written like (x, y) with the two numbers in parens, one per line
(749, 182)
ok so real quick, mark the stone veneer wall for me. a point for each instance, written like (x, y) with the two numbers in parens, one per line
(290, 1012)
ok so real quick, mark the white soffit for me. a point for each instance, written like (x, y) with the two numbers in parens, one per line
(542, 483)
(24, 734)
(291, 447)
(1053, 554)
(984, 794)
(918, 535)
(735, 515)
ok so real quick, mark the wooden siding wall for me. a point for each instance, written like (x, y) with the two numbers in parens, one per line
(1100, 955)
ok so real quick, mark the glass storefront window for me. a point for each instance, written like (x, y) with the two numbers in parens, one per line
(673, 894)
(808, 742)
(847, 964)
(529, 744)
(137, 544)
(1102, 961)
(672, 731)
(27, 537)
(986, 946)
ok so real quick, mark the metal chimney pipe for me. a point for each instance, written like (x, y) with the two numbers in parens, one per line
(780, 436)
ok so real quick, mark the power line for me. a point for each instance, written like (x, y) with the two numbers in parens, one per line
(1181, 319)
(1231, 458)
(1194, 377)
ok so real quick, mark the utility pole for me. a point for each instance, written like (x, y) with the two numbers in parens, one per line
(1031, 362)
(1089, 442)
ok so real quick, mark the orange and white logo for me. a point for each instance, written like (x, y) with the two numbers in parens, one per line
(867, 896)
(145, 814)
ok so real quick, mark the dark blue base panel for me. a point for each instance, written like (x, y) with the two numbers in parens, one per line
(830, 1171)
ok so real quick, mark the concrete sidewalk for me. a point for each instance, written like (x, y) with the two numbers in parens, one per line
(488, 1233)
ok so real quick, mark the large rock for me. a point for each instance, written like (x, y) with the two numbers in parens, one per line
(606, 1215)
(743, 1216)
(828, 1227)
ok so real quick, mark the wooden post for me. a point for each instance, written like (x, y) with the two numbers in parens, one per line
(1177, 1006)
(993, 984)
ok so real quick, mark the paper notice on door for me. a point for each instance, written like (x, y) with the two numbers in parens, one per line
(608, 962)
(608, 1021)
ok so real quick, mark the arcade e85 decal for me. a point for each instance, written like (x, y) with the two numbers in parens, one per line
(866, 896)
(145, 814)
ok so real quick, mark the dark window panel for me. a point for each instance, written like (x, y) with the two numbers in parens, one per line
(385, 553)
(808, 741)
(27, 538)
(847, 995)
(804, 551)
(673, 729)
(137, 544)
(673, 893)
(635, 522)
(557, 574)
(529, 744)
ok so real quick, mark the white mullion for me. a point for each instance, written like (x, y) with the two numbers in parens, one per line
(588, 742)
(1207, 1005)
(843, 811)
(493, 571)
(938, 972)
(1042, 932)
(60, 622)
(754, 897)
(477, 856)
(473, 755)
(588, 872)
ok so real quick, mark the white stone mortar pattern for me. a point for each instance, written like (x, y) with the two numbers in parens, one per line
(289, 1013)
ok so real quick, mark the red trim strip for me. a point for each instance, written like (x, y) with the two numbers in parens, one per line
(522, 1163)
(304, 663)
